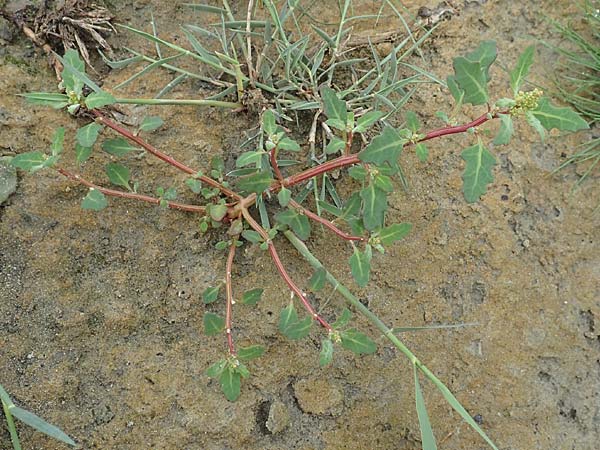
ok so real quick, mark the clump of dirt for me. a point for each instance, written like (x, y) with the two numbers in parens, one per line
(101, 318)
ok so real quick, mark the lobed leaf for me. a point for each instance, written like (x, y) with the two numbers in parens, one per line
(478, 171)
(472, 81)
(521, 70)
(564, 119)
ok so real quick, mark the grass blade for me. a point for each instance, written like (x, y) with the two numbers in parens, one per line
(427, 437)
(41, 425)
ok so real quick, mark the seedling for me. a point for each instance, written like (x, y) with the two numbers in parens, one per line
(264, 198)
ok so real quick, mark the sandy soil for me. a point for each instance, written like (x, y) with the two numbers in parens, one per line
(101, 315)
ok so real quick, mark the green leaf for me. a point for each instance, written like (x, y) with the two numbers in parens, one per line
(384, 148)
(248, 158)
(472, 80)
(252, 236)
(317, 281)
(427, 437)
(151, 123)
(194, 185)
(210, 294)
(87, 135)
(564, 119)
(360, 265)
(217, 212)
(213, 324)
(284, 196)
(422, 152)
(56, 101)
(484, 55)
(215, 370)
(455, 90)
(521, 70)
(326, 354)
(506, 130)
(412, 121)
(334, 108)
(74, 68)
(393, 233)
(374, 206)
(342, 320)
(288, 144)
(252, 296)
(478, 171)
(536, 124)
(82, 153)
(41, 425)
(297, 222)
(257, 182)
(30, 161)
(252, 352)
(383, 182)
(298, 330)
(94, 200)
(359, 173)
(269, 124)
(99, 99)
(335, 145)
(57, 141)
(357, 342)
(118, 174)
(230, 383)
(71, 81)
(117, 146)
(290, 326)
(367, 120)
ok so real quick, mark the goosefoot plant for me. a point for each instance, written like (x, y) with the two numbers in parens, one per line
(358, 141)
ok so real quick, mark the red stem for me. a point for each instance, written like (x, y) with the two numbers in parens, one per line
(348, 143)
(229, 295)
(326, 223)
(160, 155)
(131, 195)
(286, 277)
(348, 160)
(275, 166)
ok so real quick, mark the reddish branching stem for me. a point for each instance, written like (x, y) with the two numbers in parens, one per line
(131, 195)
(281, 269)
(229, 297)
(326, 223)
(348, 143)
(102, 119)
(275, 166)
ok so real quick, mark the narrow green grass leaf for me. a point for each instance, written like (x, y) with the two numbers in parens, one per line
(151, 123)
(252, 296)
(251, 352)
(117, 146)
(299, 223)
(56, 101)
(478, 171)
(210, 294)
(94, 200)
(330, 42)
(41, 425)
(98, 99)
(506, 130)
(30, 161)
(118, 174)
(374, 206)
(357, 342)
(87, 135)
(205, 8)
(120, 64)
(326, 354)
(360, 265)
(230, 381)
(564, 119)
(213, 324)
(521, 70)
(427, 437)
(393, 233)
(384, 148)
(10, 423)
